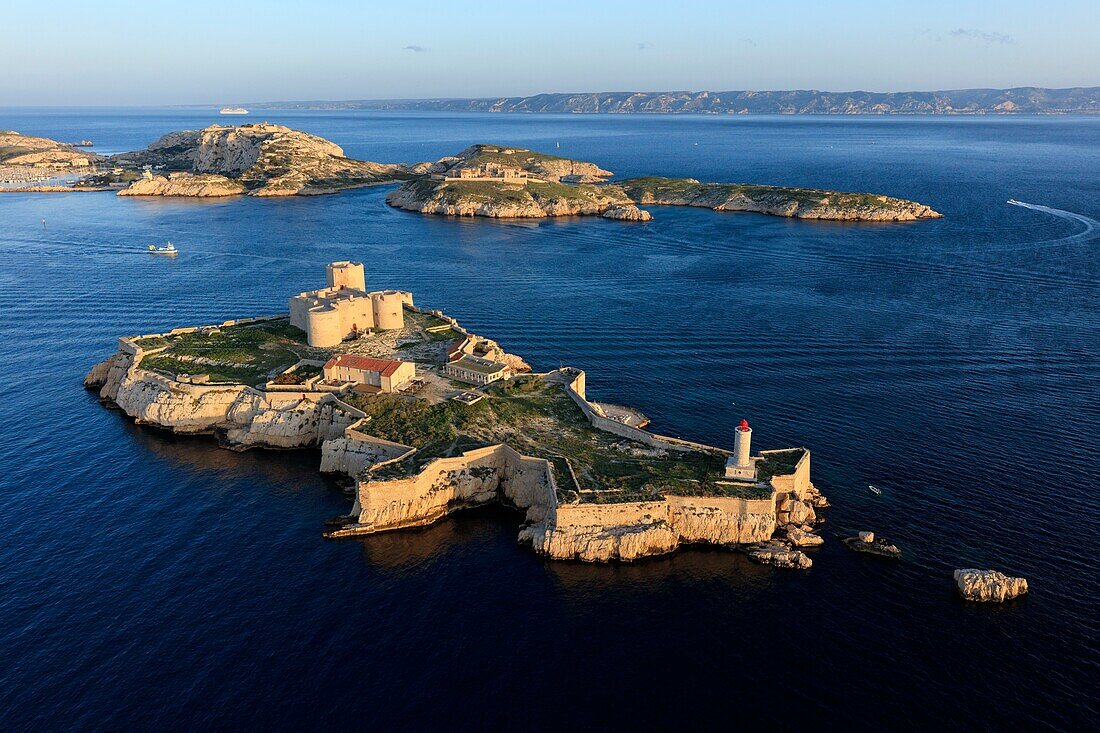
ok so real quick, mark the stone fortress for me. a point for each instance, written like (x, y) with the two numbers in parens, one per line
(344, 309)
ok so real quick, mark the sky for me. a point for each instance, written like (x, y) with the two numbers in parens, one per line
(154, 52)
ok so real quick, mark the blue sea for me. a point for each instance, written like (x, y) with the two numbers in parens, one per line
(154, 582)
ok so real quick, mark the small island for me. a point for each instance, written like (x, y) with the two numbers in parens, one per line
(259, 159)
(427, 418)
(502, 182)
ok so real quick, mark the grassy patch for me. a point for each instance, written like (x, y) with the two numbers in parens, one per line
(538, 419)
(246, 354)
(151, 343)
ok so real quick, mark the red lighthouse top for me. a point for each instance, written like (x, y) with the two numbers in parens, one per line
(744, 425)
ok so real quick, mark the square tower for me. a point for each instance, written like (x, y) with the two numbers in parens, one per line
(346, 275)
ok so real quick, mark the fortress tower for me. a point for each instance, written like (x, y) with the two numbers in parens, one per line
(345, 309)
(741, 464)
(346, 275)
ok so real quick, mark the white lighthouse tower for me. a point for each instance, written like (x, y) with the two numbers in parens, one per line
(740, 464)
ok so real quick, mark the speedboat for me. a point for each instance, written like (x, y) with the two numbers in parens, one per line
(1013, 201)
(168, 249)
(874, 489)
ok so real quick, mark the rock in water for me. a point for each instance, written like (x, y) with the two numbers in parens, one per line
(867, 543)
(802, 538)
(627, 213)
(988, 585)
(780, 554)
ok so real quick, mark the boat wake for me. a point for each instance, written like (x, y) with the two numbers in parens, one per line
(1090, 232)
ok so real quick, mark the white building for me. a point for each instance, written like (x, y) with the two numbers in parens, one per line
(476, 370)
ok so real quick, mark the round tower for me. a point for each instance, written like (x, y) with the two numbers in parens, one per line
(346, 274)
(742, 440)
(323, 327)
(389, 312)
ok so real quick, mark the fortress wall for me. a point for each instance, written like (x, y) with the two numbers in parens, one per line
(722, 519)
(596, 416)
(447, 484)
(299, 312)
(357, 451)
(796, 484)
(604, 532)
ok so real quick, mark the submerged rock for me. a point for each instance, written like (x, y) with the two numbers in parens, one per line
(988, 585)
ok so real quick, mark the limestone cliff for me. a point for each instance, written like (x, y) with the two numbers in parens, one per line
(521, 200)
(799, 203)
(241, 416)
(264, 159)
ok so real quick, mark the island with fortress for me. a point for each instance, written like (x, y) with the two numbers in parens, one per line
(426, 418)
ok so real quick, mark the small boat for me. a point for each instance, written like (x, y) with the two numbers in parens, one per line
(168, 249)
(874, 489)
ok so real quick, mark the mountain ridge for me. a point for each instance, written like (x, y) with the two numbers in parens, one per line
(1015, 100)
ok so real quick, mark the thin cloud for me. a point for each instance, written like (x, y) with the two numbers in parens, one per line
(415, 49)
(986, 36)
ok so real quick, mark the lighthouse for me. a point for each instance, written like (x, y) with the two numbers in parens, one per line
(740, 464)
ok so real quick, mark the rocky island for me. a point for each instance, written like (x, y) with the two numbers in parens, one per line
(258, 159)
(220, 160)
(502, 182)
(426, 418)
(799, 203)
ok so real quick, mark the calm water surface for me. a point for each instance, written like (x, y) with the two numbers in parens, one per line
(155, 582)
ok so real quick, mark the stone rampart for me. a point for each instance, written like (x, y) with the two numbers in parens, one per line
(448, 484)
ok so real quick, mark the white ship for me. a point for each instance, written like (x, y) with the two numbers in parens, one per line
(233, 111)
(168, 249)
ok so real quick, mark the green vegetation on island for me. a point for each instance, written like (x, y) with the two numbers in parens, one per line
(536, 417)
(806, 203)
(243, 354)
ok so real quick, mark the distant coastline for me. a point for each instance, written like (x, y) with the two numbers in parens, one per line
(1013, 101)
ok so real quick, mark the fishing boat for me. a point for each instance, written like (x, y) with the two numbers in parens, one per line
(874, 489)
(168, 249)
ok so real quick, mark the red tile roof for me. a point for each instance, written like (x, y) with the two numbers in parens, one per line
(385, 367)
(454, 351)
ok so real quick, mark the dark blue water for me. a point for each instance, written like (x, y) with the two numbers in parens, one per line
(154, 582)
